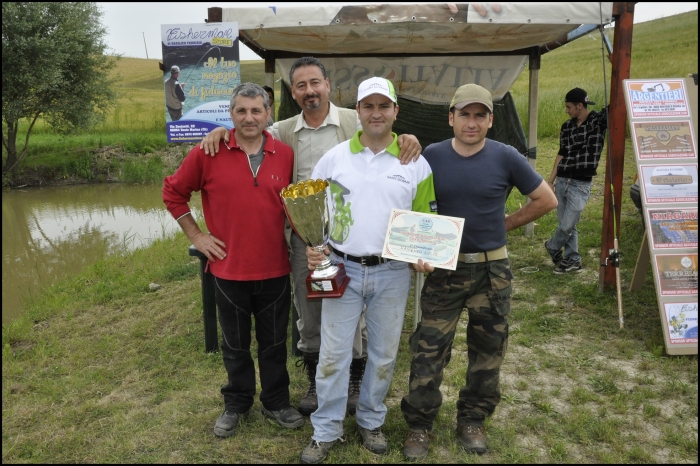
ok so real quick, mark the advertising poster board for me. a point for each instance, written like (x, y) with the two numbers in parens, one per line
(664, 140)
(653, 99)
(206, 59)
(662, 122)
(682, 322)
(673, 228)
(677, 274)
(670, 183)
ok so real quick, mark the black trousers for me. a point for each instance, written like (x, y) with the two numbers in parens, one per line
(269, 302)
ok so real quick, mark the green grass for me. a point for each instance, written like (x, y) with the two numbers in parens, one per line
(100, 369)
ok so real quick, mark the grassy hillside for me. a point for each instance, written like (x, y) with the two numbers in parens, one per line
(665, 48)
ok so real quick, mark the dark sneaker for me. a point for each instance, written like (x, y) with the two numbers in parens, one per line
(416, 445)
(567, 265)
(556, 257)
(315, 452)
(227, 423)
(373, 440)
(473, 438)
(288, 418)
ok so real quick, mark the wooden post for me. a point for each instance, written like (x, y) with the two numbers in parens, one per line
(270, 69)
(643, 261)
(532, 120)
(211, 337)
(623, 12)
(214, 15)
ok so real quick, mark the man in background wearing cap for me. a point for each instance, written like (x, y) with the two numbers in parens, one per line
(472, 176)
(367, 181)
(319, 127)
(174, 94)
(580, 145)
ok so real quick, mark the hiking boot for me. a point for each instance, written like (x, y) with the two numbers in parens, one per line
(416, 445)
(473, 438)
(357, 371)
(568, 265)
(227, 423)
(556, 257)
(373, 440)
(309, 403)
(288, 417)
(315, 452)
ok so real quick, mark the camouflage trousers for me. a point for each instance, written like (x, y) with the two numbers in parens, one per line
(484, 289)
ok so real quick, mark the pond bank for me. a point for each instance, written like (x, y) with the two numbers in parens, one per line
(107, 164)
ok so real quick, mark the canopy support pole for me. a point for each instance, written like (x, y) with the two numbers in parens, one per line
(532, 119)
(623, 12)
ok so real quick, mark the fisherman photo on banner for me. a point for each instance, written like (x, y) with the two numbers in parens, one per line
(201, 68)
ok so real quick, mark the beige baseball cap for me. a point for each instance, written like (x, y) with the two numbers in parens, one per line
(472, 94)
(376, 86)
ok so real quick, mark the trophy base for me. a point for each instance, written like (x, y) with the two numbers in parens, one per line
(329, 287)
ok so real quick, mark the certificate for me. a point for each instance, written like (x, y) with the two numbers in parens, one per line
(414, 235)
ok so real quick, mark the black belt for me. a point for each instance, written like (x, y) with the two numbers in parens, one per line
(367, 261)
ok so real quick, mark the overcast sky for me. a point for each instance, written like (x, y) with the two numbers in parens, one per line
(129, 24)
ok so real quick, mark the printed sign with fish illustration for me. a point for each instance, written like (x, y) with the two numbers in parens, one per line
(664, 140)
(433, 238)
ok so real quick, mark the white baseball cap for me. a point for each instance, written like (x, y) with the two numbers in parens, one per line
(174, 69)
(376, 86)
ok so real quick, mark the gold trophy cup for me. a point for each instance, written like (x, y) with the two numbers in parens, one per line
(308, 213)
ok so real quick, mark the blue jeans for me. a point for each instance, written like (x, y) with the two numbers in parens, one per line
(384, 289)
(572, 196)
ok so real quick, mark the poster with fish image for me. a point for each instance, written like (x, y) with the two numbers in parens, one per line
(664, 140)
(203, 61)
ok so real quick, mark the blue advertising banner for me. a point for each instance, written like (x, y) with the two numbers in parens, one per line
(201, 69)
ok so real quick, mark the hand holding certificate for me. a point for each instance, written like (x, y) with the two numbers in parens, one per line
(432, 238)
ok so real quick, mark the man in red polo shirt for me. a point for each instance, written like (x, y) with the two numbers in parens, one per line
(247, 253)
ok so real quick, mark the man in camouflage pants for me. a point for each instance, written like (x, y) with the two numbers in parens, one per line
(472, 176)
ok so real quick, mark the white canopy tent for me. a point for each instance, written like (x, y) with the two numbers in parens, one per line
(428, 50)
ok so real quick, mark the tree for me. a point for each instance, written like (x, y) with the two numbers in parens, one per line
(54, 66)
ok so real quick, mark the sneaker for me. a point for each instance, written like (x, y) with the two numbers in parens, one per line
(315, 452)
(567, 265)
(288, 417)
(556, 257)
(227, 423)
(416, 445)
(373, 440)
(473, 438)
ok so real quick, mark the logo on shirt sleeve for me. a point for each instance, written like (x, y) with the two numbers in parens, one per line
(433, 206)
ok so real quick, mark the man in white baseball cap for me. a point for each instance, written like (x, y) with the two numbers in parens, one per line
(367, 181)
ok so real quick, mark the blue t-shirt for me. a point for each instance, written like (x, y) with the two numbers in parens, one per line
(475, 188)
